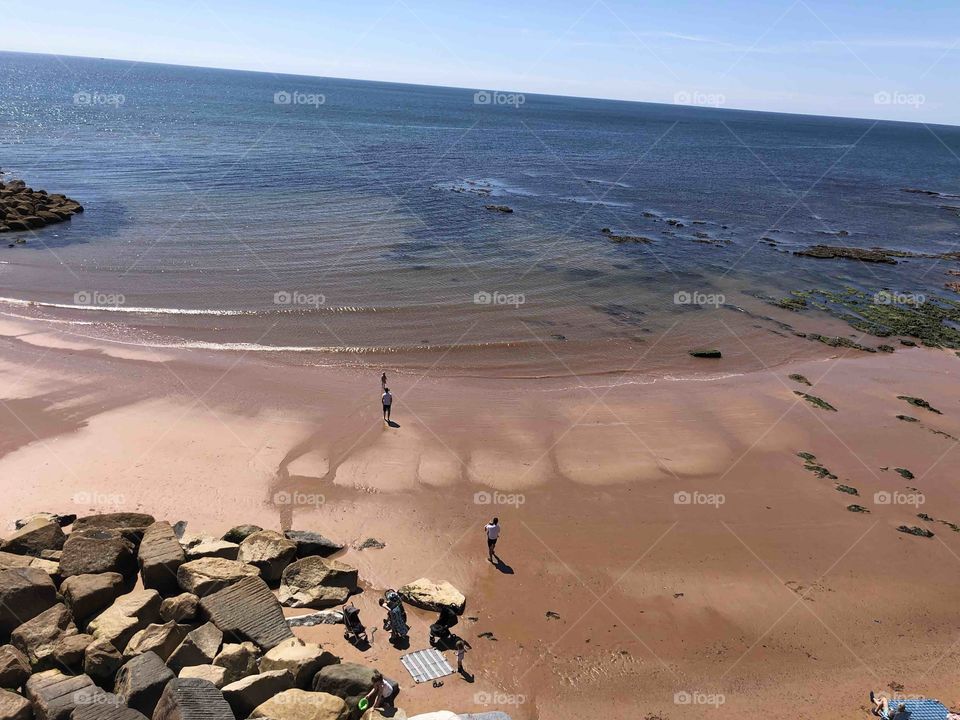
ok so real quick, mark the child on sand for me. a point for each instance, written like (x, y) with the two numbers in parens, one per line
(462, 647)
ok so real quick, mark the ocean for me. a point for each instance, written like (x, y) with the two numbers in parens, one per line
(333, 221)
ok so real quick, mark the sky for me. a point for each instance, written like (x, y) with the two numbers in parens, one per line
(889, 59)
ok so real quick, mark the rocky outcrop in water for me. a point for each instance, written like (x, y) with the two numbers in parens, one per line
(23, 208)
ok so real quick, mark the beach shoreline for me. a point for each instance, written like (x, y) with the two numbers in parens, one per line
(661, 537)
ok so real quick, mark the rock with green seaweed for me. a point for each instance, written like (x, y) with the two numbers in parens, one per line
(919, 402)
(924, 516)
(797, 377)
(857, 509)
(907, 418)
(815, 401)
(904, 473)
(847, 489)
(811, 464)
(914, 530)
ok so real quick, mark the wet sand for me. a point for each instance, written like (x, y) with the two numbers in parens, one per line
(763, 592)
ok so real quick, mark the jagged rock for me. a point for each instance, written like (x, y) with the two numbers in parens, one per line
(129, 523)
(268, 551)
(180, 607)
(302, 705)
(211, 673)
(239, 660)
(141, 681)
(302, 659)
(98, 551)
(101, 660)
(317, 582)
(324, 617)
(213, 548)
(34, 537)
(14, 707)
(209, 575)
(345, 680)
(161, 639)
(87, 595)
(160, 556)
(69, 652)
(54, 555)
(246, 694)
(9, 561)
(61, 520)
(240, 533)
(128, 614)
(428, 595)
(370, 544)
(24, 594)
(38, 637)
(14, 667)
(248, 610)
(192, 699)
(55, 695)
(311, 543)
(199, 647)
(106, 707)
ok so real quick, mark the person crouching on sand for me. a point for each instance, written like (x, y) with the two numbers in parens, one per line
(881, 708)
(387, 399)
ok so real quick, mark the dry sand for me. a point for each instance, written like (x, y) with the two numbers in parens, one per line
(765, 592)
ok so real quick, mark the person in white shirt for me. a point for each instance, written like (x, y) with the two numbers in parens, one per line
(387, 399)
(493, 533)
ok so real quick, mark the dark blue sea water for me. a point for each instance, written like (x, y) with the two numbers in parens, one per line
(346, 218)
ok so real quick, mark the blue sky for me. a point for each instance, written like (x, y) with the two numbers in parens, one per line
(894, 59)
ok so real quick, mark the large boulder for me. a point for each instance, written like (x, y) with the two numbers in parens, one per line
(180, 607)
(14, 667)
(302, 705)
(128, 614)
(24, 594)
(69, 651)
(247, 610)
(192, 699)
(428, 595)
(240, 533)
(106, 707)
(38, 637)
(14, 707)
(311, 543)
(316, 582)
(35, 537)
(208, 575)
(345, 680)
(61, 520)
(141, 681)
(98, 551)
(211, 673)
(130, 524)
(213, 548)
(101, 661)
(302, 659)
(238, 660)
(88, 595)
(199, 647)
(268, 551)
(161, 639)
(160, 556)
(246, 694)
(55, 695)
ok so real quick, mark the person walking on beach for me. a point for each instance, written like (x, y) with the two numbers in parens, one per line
(493, 534)
(387, 399)
(383, 381)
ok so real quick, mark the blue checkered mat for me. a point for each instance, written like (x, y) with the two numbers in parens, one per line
(919, 710)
